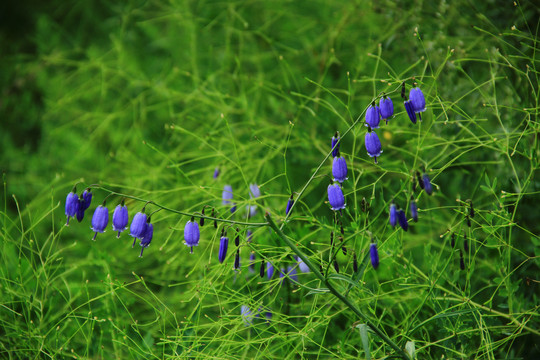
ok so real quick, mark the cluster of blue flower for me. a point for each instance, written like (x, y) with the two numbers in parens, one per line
(141, 227)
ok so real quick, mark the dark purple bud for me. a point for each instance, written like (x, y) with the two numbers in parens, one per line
(237, 260)
(335, 197)
(147, 238)
(262, 268)
(72, 205)
(468, 221)
(465, 243)
(290, 203)
(335, 140)
(237, 238)
(233, 208)
(100, 220)
(453, 240)
(269, 270)
(80, 210)
(373, 144)
(417, 99)
(192, 234)
(374, 254)
(339, 169)
(410, 111)
(321, 268)
(216, 172)
(355, 263)
(344, 249)
(214, 216)
(414, 210)
(427, 184)
(413, 181)
(120, 219)
(393, 215)
(302, 265)
(336, 266)
(402, 219)
(471, 210)
(223, 246)
(373, 116)
(201, 219)
(461, 260)
(420, 181)
(386, 107)
(138, 226)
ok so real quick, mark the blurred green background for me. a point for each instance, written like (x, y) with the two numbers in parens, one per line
(146, 98)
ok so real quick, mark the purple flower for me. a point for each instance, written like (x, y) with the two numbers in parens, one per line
(335, 140)
(120, 218)
(216, 172)
(402, 219)
(247, 315)
(414, 210)
(335, 197)
(302, 265)
(374, 254)
(339, 169)
(138, 226)
(269, 270)
(237, 260)
(251, 267)
(254, 191)
(100, 220)
(192, 234)
(249, 235)
(227, 196)
(292, 273)
(84, 203)
(223, 246)
(373, 144)
(373, 116)
(72, 205)
(393, 215)
(147, 237)
(410, 111)
(427, 184)
(386, 107)
(417, 99)
(290, 203)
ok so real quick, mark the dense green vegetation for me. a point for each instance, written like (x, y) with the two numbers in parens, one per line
(142, 100)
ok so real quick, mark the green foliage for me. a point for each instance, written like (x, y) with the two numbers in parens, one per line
(142, 100)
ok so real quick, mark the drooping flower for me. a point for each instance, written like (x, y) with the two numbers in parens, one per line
(249, 235)
(247, 315)
(290, 203)
(72, 205)
(100, 220)
(223, 246)
(335, 140)
(427, 184)
(302, 265)
(339, 169)
(373, 144)
(292, 273)
(138, 226)
(269, 270)
(227, 196)
(120, 218)
(386, 108)
(336, 266)
(402, 219)
(237, 260)
(393, 215)
(414, 210)
(84, 203)
(374, 255)
(335, 197)
(216, 172)
(373, 116)
(416, 96)
(192, 234)
(254, 191)
(147, 238)
(410, 110)
(465, 243)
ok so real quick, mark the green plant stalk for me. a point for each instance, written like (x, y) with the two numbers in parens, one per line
(333, 290)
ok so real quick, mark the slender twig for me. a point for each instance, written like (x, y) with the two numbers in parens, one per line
(332, 289)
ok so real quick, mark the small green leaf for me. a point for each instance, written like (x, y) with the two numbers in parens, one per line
(365, 339)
